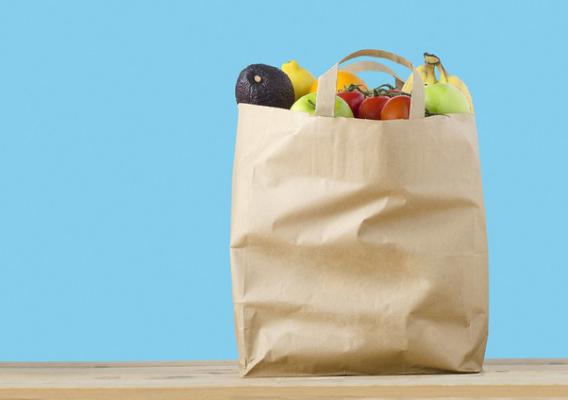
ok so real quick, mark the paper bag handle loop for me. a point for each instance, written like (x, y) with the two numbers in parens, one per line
(325, 97)
(361, 66)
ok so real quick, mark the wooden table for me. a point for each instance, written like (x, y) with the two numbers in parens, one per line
(530, 379)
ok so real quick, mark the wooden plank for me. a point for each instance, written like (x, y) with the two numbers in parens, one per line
(535, 379)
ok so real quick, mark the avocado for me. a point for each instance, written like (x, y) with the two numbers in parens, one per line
(264, 85)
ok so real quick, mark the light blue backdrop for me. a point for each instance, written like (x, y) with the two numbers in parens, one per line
(117, 124)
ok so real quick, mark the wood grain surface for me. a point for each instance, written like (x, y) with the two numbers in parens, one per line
(501, 379)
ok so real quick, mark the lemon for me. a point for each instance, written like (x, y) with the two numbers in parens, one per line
(301, 78)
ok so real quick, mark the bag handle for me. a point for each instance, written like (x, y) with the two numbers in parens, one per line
(325, 97)
(361, 66)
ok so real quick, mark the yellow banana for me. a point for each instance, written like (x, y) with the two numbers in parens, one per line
(428, 74)
(426, 71)
(457, 82)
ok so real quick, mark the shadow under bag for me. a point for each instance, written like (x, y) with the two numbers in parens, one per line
(358, 246)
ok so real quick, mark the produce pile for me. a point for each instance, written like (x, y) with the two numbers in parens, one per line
(295, 88)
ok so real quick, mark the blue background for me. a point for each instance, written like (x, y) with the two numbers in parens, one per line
(117, 123)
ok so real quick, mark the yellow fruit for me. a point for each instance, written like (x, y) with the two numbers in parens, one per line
(344, 80)
(426, 72)
(301, 78)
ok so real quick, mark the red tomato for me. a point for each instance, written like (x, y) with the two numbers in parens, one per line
(354, 99)
(397, 107)
(371, 107)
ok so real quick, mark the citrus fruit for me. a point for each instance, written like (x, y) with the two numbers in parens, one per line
(344, 80)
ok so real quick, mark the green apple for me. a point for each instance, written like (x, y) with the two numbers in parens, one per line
(443, 98)
(307, 104)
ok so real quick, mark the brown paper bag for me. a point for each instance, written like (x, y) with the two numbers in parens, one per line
(358, 246)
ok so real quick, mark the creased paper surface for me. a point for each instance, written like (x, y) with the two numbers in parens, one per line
(357, 246)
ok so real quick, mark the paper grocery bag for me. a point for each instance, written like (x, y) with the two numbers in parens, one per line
(358, 246)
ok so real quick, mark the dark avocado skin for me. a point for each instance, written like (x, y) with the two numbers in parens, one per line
(274, 89)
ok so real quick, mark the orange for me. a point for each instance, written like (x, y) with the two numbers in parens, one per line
(344, 79)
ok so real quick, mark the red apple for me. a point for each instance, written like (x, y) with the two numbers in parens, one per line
(354, 99)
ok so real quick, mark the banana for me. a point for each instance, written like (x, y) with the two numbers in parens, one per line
(428, 74)
(426, 71)
(457, 82)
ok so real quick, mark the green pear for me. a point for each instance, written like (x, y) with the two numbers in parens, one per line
(443, 98)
